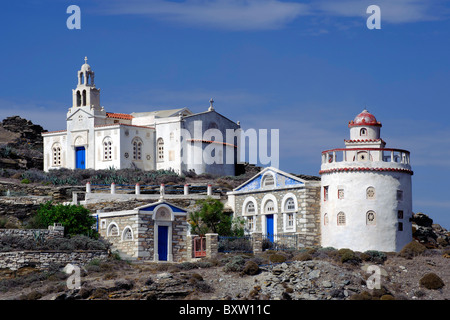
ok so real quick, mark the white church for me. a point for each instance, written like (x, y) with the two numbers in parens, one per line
(97, 139)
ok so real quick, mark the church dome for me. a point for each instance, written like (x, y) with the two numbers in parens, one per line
(365, 118)
(85, 67)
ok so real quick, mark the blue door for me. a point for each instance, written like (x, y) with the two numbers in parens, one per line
(269, 227)
(80, 158)
(163, 237)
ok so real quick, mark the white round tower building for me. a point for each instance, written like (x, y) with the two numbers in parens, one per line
(366, 198)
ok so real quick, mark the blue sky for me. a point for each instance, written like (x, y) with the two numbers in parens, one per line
(303, 67)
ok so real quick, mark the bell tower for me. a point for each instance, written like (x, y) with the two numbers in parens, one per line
(86, 94)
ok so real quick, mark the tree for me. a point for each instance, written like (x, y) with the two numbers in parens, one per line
(210, 218)
(75, 219)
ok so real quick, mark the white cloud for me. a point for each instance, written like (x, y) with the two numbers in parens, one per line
(222, 14)
(271, 14)
(393, 11)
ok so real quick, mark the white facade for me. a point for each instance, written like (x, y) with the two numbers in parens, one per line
(366, 196)
(96, 139)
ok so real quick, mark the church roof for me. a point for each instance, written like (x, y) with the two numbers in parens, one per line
(365, 118)
(283, 180)
(161, 113)
(123, 116)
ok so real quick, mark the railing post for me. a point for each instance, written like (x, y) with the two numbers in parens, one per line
(209, 190)
(88, 187)
(137, 188)
(113, 188)
(186, 189)
(161, 191)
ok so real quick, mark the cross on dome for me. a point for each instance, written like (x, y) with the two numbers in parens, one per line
(211, 105)
(85, 60)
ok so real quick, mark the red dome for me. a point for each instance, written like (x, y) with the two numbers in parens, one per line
(365, 118)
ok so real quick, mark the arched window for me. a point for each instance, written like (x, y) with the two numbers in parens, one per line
(341, 219)
(370, 193)
(268, 181)
(250, 208)
(137, 149)
(370, 218)
(113, 230)
(363, 132)
(84, 97)
(289, 205)
(325, 219)
(127, 234)
(269, 206)
(78, 98)
(56, 155)
(160, 146)
(107, 149)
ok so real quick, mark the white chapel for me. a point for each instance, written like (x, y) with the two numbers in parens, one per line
(97, 139)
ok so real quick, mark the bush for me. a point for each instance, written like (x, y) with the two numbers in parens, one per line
(374, 256)
(235, 264)
(348, 256)
(431, 281)
(250, 268)
(412, 249)
(303, 256)
(75, 219)
(277, 258)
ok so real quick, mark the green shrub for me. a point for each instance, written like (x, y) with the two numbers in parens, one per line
(25, 181)
(431, 281)
(412, 249)
(348, 256)
(234, 264)
(303, 256)
(374, 256)
(277, 258)
(75, 219)
(250, 268)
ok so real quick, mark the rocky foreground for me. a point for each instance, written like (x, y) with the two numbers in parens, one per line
(315, 274)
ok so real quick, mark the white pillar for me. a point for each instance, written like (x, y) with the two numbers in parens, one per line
(209, 190)
(186, 189)
(137, 188)
(161, 191)
(88, 187)
(113, 188)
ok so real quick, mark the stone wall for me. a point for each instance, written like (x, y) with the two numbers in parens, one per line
(35, 234)
(43, 259)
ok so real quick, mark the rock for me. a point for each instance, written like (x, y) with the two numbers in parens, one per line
(422, 220)
(164, 275)
(314, 274)
(327, 284)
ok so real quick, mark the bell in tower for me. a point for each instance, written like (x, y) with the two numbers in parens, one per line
(86, 94)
